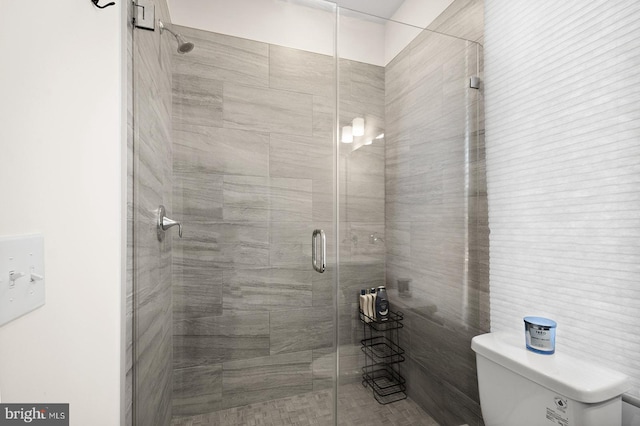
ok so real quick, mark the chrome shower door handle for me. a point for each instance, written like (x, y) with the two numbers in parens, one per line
(165, 223)
(319, 265)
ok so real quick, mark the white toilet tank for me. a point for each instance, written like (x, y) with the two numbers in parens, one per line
(522, 388)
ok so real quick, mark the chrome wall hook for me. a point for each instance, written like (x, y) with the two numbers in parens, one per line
(165, 223)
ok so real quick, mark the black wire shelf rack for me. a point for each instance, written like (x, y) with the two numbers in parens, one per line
(383, 354)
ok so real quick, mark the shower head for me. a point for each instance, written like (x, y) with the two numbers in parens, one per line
(183, 45)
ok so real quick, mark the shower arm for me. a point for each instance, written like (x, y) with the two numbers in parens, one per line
(165, 28)
(184, 46)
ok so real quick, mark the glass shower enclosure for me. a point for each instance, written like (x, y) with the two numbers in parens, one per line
(254, 144)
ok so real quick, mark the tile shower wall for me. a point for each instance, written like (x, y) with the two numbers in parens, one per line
(563, 132)
(253, 176)
(148, 394)
(436, 212)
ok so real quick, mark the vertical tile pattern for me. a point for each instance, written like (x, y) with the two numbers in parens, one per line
(253, 154)
(150, 173)
(562, 170)
(435, 218)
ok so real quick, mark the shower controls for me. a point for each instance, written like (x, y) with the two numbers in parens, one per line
(21, 276)
(165, 223)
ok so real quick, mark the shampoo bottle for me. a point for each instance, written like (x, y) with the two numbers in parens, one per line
(369, 311)
(363, 304)
(382, 304)
(373, 303)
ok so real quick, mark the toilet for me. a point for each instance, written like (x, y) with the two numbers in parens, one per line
(522, 388)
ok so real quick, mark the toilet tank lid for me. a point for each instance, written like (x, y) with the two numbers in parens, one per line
(569, 376)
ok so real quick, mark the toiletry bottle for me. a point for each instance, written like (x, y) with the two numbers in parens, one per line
(373, 303)
(369, 305)
(363, 304)
(382, 304)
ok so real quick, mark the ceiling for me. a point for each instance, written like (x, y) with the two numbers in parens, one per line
(381, 8)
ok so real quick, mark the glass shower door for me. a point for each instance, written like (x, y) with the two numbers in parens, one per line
(247, 143)
(412, 216)
(253, 177)
(236, 140)
(361, 185)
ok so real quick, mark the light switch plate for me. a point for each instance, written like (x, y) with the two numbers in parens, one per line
(21, 276)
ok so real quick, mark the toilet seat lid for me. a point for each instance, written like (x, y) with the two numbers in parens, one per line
(574, 378)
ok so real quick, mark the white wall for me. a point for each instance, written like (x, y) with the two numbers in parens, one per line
(61, 173)
(563, 153)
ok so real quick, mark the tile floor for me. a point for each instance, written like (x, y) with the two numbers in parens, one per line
(356, 406)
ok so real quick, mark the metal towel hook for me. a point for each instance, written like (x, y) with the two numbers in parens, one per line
(165, 223)
(95, 2)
